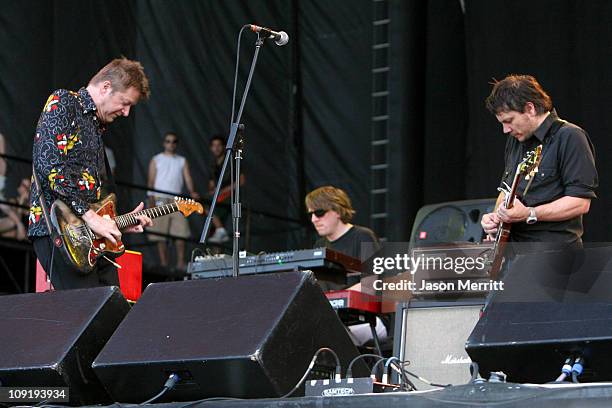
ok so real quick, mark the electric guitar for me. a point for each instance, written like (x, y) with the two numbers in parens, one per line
(528, 167)
(82, 247)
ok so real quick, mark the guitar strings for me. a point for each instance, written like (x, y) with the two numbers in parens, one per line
(171, 207)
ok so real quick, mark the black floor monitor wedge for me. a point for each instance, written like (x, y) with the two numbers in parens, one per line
(50, 339)
(245, 337)
(555, 305)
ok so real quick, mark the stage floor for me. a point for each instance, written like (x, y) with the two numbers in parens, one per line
(503, 395)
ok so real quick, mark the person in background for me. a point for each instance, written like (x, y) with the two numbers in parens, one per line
(20, 208)
(12, 218)
(169, 171)
(217, 149)
(22, 200)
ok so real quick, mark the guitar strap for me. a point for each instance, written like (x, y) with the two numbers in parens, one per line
(55, 238)
(554, 127)
(107, 180)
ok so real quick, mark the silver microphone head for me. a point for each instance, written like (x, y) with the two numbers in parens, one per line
(284, 38)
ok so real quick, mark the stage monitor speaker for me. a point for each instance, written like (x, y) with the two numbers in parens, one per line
(431, 336)
(50, 339)
(453, 221)
(554, 305)
(246, 337)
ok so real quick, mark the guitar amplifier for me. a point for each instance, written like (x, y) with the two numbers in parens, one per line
(130, 276)
(452, 269)
(431, 335)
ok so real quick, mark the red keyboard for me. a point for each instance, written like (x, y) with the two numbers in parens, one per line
(352, 299)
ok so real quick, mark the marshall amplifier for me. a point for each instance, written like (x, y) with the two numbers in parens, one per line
(432, 336)
(453, 269)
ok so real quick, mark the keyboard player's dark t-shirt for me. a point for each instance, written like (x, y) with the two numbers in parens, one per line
(350, 243)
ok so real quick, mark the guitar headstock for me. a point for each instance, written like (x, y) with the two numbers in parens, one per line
(187, 206)
(529, 165)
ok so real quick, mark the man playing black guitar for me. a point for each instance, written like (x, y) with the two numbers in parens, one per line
(69, 161)
(550, 206)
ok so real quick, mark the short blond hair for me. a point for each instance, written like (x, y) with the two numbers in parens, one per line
(331, 198)
(123, 73)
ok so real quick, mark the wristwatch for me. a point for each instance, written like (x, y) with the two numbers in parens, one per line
(532, 218)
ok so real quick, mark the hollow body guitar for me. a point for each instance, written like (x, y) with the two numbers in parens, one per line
(80, 245)
(528, 167)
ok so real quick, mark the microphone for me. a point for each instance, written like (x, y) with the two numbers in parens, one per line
(280, 37)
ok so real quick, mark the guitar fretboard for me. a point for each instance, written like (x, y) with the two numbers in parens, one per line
(127, 220)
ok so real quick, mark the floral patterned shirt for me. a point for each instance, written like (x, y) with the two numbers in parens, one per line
(68, 156)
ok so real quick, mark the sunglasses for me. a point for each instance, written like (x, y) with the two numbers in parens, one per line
(318, 213)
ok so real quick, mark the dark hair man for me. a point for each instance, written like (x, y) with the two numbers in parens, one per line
(217, 149)
(560, 194)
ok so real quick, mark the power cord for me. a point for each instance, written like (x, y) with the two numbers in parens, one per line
(566, 370)
(375, 368)
(405, 383)
(349, 370)
(418, 377)
(395, 364)
(577, 369)
(311, 365)
(168, 385)
(385, 376)
(572, 368)
(195, 252)
(474, 371)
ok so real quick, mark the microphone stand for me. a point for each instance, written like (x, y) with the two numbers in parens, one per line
(229, 150)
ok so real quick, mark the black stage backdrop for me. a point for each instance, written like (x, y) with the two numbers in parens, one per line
(308, 114)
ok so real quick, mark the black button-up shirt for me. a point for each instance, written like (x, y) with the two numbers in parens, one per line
(567, 169)
(68, 156)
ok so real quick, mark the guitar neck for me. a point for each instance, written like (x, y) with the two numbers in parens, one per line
(509, 202)
(127, 220)
(503, 231)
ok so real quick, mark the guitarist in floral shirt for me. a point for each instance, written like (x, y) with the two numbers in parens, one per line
(68, 157)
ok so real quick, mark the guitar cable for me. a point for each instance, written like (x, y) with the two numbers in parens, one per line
(50, 274)
(41, 199)
(97, 251)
